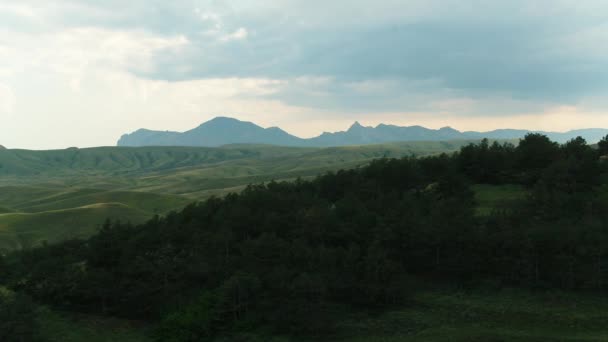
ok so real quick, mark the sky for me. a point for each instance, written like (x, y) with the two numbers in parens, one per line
(82, 73)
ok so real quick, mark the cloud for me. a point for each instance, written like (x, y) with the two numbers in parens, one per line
(239, 34)
(172, 64)
(7, 101)
(540, 50)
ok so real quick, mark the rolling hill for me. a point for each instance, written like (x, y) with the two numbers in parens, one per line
(59, 194)
(30, 215)
(22, 230)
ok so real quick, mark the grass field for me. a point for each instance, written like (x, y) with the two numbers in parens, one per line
(433, 315)
(60, 327)
(489, 197)
(23, 230)
(32, 214)
(497, 316)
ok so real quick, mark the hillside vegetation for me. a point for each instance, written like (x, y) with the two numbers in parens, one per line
(33, 214)
(54, 195)
(27, 165)
(298, 258)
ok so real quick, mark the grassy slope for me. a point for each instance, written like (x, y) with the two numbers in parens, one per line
(119, 160)
(204, 180)
(22, 230)
(432, 315)
(59, 327)
(63, 327)
(435, 315)
(39, 199)
(52, 195)
(501, 316)
(34, 214)
(112, 166)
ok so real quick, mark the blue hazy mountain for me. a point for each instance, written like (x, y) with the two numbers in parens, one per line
(223, 131)
(216, 132)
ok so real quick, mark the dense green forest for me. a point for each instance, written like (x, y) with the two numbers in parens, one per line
(289, 258)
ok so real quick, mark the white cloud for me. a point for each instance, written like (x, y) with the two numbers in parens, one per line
(239, 34)
(73, 50)
(7, 101)
(18, 9)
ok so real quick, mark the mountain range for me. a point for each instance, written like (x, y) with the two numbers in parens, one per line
(223, 131)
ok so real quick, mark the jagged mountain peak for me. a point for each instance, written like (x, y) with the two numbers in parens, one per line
(356, 126)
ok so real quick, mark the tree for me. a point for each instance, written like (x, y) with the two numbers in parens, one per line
(577, 148)
(533, 154)
(603, 146)
(17, 318)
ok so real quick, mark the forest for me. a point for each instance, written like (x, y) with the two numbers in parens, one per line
(289, 258)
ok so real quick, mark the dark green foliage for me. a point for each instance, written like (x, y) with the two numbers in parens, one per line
(195, 321)
(534, 153)
(18, 321)
(603, 146)
(485, 163)
(285, 256)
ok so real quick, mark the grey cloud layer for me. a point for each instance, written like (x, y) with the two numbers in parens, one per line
(548, 51)
(545, 51)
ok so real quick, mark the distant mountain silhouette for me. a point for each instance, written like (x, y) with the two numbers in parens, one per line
(223, 131)
(2, 147)
(216, 132)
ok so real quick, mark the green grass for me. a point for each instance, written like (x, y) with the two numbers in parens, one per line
(5, 210)
(430, 316)
(490, 197)
(31, 199)
(497, 316)
(108, 167)
(62, 327)
(31, 214)
(56, 326)
(22, 230)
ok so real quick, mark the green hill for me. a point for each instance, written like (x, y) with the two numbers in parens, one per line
(30, 199)
(30, 215)
(118, 160)
(57, 194)
(19, 230)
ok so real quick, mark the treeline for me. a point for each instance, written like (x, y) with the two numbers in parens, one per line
(286, 257)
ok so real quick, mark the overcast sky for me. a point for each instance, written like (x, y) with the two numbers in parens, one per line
(77, 73)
